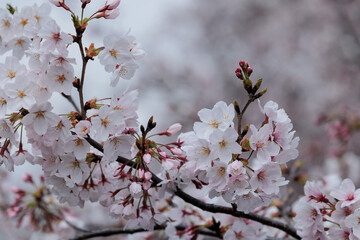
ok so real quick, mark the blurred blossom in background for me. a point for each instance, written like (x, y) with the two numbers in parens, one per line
(307, 52)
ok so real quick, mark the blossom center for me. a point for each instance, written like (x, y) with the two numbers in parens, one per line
(314, 213)
(204, 151)
(20, 42)
(2, 101)
(118, 107)
(260, 144)
(24, 21)
(56, 37)
(105, 122)
(221, 171)
(75, 164)
(60, 78)
(78, 142)
(59, 126)
(350, 197)
(6, 23)
(123, 71)
(11, 74)
(21, 94)
(214, 124)
(223, 144)
(83, 129)
(239, 235)
(113, 52)
(39, 114)
(261, 175)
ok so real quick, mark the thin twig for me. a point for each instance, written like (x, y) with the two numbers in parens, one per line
(241, 114)
(85, 60)
(211, 207)
(44, 208)
(71, 100)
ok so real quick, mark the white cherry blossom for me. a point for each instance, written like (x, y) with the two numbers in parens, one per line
(40, 118)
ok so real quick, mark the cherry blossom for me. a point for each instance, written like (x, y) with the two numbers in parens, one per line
(40, 118)
(346, 193)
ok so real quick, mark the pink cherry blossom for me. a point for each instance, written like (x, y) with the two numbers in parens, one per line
(346, 193)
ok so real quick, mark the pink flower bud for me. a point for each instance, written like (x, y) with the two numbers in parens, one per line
(238, 73)
(111, 14)
(27, 178)
(117, 172)
(242, 63)
(147, 158)
(13, 212)
(108, 14)
(162, 154)
(113, 4)
(17, 190)
(60, 3)
(173, 129)
(148, 175)
(57, 2)
(141, 173)
(249, 70)
(146, 185)
(176, 151)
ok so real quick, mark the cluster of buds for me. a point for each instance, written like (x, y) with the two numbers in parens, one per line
(245, 70)
(36, 206)
(60, 3)
(108, 11)
(244, 73)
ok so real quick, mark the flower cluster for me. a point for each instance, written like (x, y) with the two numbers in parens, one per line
(36, 208)
(218, 156)
(100, 153)
(329, 211)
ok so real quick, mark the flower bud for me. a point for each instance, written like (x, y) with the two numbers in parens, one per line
(113, 4)
(148, 175)
(112, 14)
(176, 127)
(238, 73)
(247, 85)
(84, 3)
(141, 173)
(176, 151)
(257, 86)
(242, 64)
(27, 178)
(147, 158)
(249, 71)
(236, 107)
(261, 93)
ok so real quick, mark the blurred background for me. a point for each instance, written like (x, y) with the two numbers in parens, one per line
(307, 52)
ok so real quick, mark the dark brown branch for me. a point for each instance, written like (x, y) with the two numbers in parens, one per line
(115, 231)
(85, 60)
(211, 207)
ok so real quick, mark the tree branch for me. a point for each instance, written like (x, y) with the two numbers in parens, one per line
(115, 231)
(85, 60)
(211, 207)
